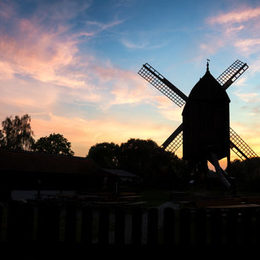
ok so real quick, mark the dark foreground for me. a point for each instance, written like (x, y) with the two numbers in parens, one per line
(57, 226)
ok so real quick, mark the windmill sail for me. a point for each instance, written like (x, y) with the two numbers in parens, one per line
(174, 141)
(232, 73)
(162, 84)
(240, 147)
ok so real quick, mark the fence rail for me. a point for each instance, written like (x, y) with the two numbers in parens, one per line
(118, 226)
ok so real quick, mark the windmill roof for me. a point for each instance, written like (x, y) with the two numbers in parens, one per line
(208, 88)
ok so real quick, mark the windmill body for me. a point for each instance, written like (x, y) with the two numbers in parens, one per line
(205, 131)
(206, 121)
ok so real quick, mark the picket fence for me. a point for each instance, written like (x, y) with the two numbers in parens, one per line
(119, 226)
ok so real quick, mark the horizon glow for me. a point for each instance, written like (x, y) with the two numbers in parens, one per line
(72, 65)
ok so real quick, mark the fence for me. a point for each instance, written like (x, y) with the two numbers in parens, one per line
(120, 226)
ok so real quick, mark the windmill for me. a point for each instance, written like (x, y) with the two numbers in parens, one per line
(205, 132)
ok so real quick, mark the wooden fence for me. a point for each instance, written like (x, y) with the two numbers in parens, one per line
(135, 226)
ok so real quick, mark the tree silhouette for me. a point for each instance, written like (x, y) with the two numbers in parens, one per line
(144, 158)
(55, 144)
(16, 134)
(105, 154)
(247, 173)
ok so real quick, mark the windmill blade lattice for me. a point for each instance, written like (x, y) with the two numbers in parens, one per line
(240, 147)
(175, 144)
(174, 141)
(162, 84)
(232, 73)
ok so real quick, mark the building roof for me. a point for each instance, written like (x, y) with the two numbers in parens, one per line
(43, 163)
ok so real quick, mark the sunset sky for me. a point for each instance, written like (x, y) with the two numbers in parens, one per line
(72, 65)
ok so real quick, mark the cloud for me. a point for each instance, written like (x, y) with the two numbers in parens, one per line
(103, 26)
(43, 45)
(142, 44)
(236, 16)
(168, 110)
(248, 45)
(237, 29)
(249, 97)
(131, 45)
(39, 53)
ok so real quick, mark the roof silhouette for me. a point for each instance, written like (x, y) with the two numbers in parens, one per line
(208, 88)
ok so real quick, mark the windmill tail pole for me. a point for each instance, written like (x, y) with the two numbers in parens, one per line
(221, 173)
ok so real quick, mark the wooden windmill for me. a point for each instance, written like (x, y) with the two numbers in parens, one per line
(205, 131)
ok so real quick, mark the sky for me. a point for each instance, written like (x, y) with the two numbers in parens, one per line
(72, 65)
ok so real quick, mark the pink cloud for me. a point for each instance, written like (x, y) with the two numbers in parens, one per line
(248, 45)
(237, 16)
(238, 29)
(39, 53)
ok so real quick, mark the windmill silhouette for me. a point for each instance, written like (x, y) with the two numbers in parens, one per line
(205, 131)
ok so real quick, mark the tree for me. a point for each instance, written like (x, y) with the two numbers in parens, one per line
(16, 134)
(247, 173)
(156, 166)
(144, 158)
(54, 144)
(105, 154)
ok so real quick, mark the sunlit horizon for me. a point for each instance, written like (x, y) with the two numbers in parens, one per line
(72, 65)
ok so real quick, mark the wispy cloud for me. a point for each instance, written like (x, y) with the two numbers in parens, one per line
(45, 74)
(142, 44)
(237, 16)
(238, 29)
(248, 45)
(249, 97)
(132, 45)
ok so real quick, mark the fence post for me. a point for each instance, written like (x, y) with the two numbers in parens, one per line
(78, 225)
(128, 227)
(136, 226)
(168, 227)
(201, 233)
(185, 227)
(95, 226)
(103, 231)
(48, 228)
(35, 223)
(232, 227)
(86, 232)
(152, 225)
(62, 224)
(119, 227)
(4, 223)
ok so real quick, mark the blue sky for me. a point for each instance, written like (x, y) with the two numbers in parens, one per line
(72, 65)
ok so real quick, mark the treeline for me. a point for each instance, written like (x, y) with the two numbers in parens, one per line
(247, 174)
(142, 157)
(17, 135)
(145, 159)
